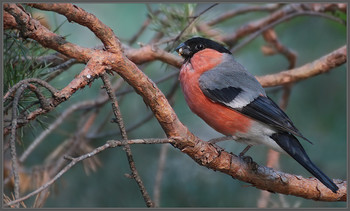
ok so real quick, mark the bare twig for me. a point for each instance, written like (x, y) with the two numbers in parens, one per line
(57, 70)
(329, 7)
(192, 20)
(278, 21)
(54, 125)
(17, 96)
(82, 105)
(73, 144)
(243, 10)
(273, 156)
(127, 148)
(52, 89)
(78, 15)
(287, 89)
(319, 66)
(148, 116)
(42, 99)
(115, 105)
(132, 127)
(51, 60)
(107, 118)
(159, 175)
(90, 72)
(144, 26)
(163, 155)
(272, 162)
(74, 161)
(271, 38)
(64, 170)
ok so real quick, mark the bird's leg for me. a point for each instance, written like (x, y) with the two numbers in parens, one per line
(216, 140)
(247, 159)
(245, 150)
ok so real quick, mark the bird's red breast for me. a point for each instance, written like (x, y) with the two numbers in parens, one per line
(220, 117)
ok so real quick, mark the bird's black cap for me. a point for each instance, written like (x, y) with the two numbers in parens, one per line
(188, 48)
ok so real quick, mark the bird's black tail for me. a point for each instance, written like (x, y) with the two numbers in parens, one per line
(291, 145)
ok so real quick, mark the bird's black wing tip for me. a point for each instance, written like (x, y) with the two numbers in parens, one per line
(303, 137)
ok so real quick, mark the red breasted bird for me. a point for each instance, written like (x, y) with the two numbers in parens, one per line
(230, 99)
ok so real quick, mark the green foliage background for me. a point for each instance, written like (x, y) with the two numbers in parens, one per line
(317, 106)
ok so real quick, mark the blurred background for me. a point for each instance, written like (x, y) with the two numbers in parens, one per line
(317, 106)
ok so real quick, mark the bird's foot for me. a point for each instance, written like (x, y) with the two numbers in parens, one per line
(244, 151)
(217, 147)
(247, 159)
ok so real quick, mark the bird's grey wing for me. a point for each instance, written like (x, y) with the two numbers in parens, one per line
(231, 85)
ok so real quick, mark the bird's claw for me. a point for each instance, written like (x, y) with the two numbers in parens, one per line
(217, 147)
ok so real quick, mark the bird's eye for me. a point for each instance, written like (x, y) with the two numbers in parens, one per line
(199, 47)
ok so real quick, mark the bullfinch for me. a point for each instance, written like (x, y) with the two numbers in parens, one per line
(230, 99)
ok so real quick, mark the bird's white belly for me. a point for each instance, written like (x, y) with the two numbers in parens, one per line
(258, 134)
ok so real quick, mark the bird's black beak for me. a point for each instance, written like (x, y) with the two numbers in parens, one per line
(183, 50)
(177, 49)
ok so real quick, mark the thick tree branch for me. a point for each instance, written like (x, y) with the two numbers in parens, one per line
(319, 66)
(9, 21)
(32, 28)
(152, 53)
